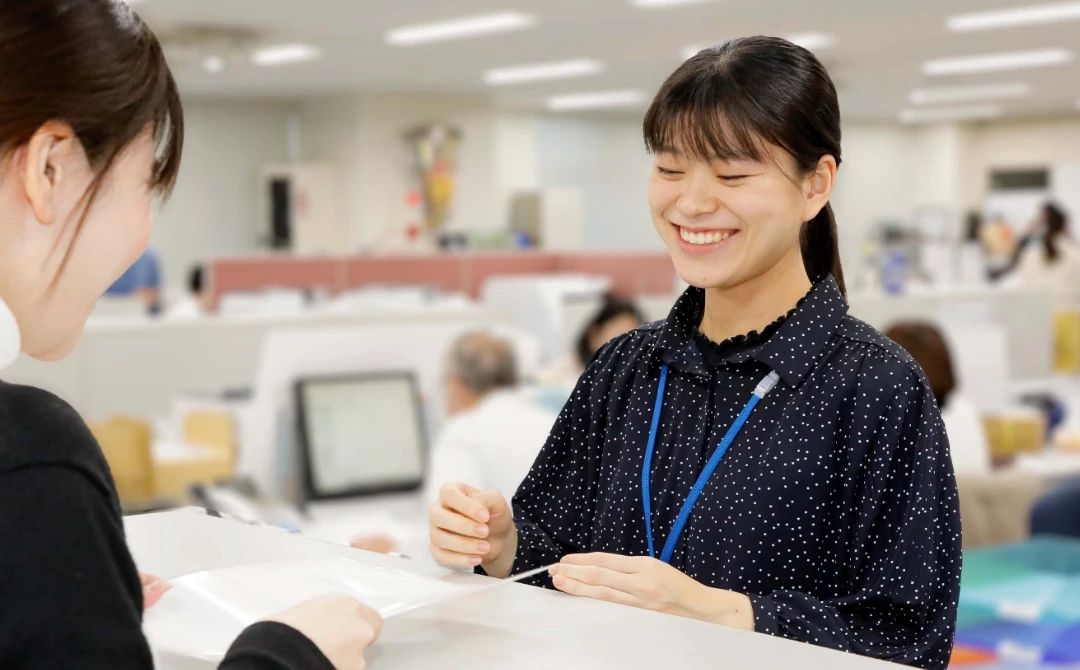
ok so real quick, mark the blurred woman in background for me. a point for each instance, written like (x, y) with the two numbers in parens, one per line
(91, 128)
(963, 423)
(617, 316)
(1051, 260)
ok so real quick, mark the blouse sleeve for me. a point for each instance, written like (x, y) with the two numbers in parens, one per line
(904, 553)
(555, 505)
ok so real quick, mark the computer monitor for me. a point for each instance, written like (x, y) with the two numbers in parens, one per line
(360, 434)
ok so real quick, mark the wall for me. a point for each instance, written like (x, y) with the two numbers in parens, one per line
(1019, 143)
(364, 136)
(606, 159)
(214, 209)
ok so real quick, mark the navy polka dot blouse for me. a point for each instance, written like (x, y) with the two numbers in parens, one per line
(835, 510)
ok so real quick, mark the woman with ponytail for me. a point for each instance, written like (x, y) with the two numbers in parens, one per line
(760, 459)
(1053, 264)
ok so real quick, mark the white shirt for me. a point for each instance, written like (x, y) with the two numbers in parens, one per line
(492, 446)
(10, 336)
(1061, 277)
(967, 436)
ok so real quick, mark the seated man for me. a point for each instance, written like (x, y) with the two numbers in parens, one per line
(493, 432)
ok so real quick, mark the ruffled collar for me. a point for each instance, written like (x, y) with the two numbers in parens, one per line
(737, 347)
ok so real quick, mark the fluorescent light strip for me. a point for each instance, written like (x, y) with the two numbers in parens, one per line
(664, 4)
(595, 100)
(812, 41)
(942, 114)
(285, 54)
(472, 26)
(213, 64)
(1017, 60)
(542, 72)
(930, 96)
(809, 41)
(1015, 17)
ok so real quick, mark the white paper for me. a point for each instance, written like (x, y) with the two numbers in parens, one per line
(198, 619)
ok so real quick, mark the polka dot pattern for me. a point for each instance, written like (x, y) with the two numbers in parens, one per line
(835, 510)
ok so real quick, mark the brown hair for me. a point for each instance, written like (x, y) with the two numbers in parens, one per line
(96, 66)
(723, 102)
(927, 346)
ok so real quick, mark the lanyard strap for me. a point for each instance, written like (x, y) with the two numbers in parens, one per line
(760, 392)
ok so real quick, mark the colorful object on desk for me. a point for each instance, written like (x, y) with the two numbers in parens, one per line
(434, 151)
(1020, 606)
(1010, 434)
(1067, 342)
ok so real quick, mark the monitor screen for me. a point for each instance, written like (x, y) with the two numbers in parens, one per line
(360, 434)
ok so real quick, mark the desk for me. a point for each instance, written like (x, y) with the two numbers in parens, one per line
(516, 626)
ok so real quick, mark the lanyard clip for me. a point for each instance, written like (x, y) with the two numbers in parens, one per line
(767, 384)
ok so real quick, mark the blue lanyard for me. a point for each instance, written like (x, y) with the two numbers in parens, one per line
(762, 389)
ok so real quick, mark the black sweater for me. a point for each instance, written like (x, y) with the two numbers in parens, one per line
(70, 595)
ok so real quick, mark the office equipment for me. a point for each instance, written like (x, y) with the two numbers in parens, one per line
(517, 626)
(268, 452)
(360, 434)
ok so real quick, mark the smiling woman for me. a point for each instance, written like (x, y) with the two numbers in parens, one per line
(760, 459)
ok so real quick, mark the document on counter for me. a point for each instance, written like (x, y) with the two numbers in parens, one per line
(194, 624)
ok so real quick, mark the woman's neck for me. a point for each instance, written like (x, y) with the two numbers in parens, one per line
(754, 304)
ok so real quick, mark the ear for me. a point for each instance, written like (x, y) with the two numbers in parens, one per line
(47, 157)
(819, 187)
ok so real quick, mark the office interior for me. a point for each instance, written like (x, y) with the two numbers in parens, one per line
(366, 183)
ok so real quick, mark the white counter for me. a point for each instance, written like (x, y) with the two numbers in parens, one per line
(517, 626)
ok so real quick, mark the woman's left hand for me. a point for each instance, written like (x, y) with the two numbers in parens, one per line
(640, 581)
(153, 589)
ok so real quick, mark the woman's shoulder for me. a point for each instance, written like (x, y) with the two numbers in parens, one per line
(878, 355)
(39, 429)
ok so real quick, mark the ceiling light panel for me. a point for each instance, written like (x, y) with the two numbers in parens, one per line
(521, 74)
(1017, 60)
(933, 96)
(1014, 17)
(945, 114)
(595, 100)
(463, 28)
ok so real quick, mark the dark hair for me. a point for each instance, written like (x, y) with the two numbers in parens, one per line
(1057, 224)
(197, 278)
(726, 101)
(95, 65)
(927, 346)
(613, 308)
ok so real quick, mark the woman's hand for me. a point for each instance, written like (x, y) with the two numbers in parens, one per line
(650, 584)
(340, 626)
(152, 588)
(469, 527)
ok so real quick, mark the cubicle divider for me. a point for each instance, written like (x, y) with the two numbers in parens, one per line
(631, 274)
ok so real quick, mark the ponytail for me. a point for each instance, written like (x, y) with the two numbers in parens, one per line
(820, 246)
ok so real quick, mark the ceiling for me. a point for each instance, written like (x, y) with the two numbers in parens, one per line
(876, 60)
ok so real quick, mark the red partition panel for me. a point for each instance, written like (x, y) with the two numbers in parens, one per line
(233, 275)
(482, 266)
(631, 274)
(445, 272)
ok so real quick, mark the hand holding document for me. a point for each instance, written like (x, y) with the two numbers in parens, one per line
(193, 625)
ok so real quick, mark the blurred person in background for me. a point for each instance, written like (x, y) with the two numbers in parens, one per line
(1050, 258)
(142, 281)
(1058, 512)
(91, 129)
(963, 422)
(760, 459)
(493, 432)
(617, 317)
(197, 301)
